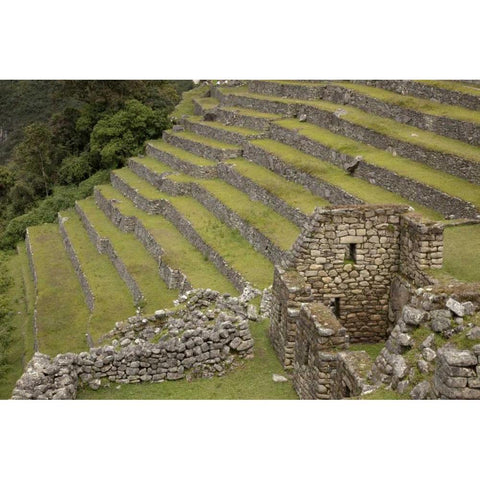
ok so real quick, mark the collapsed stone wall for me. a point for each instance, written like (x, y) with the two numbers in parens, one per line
(434, 349)
(204, 337)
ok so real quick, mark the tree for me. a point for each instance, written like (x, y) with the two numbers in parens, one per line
(34, 156)
(122, 134)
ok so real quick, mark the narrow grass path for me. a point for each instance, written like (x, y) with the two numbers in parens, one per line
(229, 243)
(21, 301)
(113, 301)
(250, 381)
(180, 153)
(330, 173)
(62, 315)
(227, 128)
(140, 264)
(179, 252)
(454, 86)
(443, 182)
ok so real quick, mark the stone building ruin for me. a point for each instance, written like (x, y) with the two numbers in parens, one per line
(344, 283)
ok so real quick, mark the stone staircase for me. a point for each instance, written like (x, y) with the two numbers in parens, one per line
(223, 196)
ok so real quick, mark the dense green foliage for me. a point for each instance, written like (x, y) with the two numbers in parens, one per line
(64, 133)
(5, 311)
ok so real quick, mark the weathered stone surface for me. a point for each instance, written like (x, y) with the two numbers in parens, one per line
(474, 333)
(459, 358)
(279, 378)
(440, 320)
(413, 316)
(421, 391)
(456, 307)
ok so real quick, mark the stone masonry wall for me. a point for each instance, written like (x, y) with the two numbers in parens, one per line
(318, 334)
(205, 337)
(77, 266)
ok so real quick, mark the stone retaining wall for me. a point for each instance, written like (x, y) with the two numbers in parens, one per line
(229, 117)
(202, 149)
(77, 266)
(408, 188)
(166, 209)
(204, 338)
(177, 164)
(430, 92)
(174, 278)
(31, 264)
(329, 192)
(219, 134)
(104, 246)
(336, 123)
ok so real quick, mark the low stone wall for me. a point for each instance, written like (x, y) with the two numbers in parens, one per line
(219, 134)
(410, 189)
(332, 193)
(174, 278)
(336, 123)
(232, 117)
(104, 246)
(204, 338)
(350, 376)
(430, 92)
(202, 149)
(177, 164)
(318, 334)
(255, 192)
(167, 210)
(87, 291)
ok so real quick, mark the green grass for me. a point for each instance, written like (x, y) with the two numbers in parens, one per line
(444, 182)
(185, 107)
(228, 128)
(21, 300)
(425, 106)
(235, 250)
(290, 192)
(372, 349)
(453, 85)
(62, 315)
(179, 253)
(327, 172)
(384, 393)
(204, 140)
(385, 126)
(139, 263)
(102, 278)
(279, 230)
(207, 103)
(179, 153)
(461, 252)
(250, 381)
(251, 113)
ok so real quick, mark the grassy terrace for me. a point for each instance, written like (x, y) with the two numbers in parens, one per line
(414, 103)
(180, 153)
(21, 299)
(290, 192)
(140, 264)
(207, 102)
(444, 182)
(62, 315)
(279, 230)
(462, 252)
(251, 113)
(179, 253)
(228, 128)
(452, 85)
(185, 107)
(102, 278)
(205, 140)
(236, 251)
(250, 381)
(383, 125)
(336, 176)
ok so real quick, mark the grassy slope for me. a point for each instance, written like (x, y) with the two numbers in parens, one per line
(180, 153)
(336, 176)
(227, 128)
(402, 166)
(187, 135)
(21, 301)
(102, 278)
(63, 316)
(236, 251)
(179, 253)
(140, 264)
(252, 380)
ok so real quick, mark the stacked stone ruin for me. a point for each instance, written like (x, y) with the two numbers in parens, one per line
(341, 274)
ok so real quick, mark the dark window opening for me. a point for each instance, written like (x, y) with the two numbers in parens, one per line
(352, 253)
(307, 351)
(336, 307)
